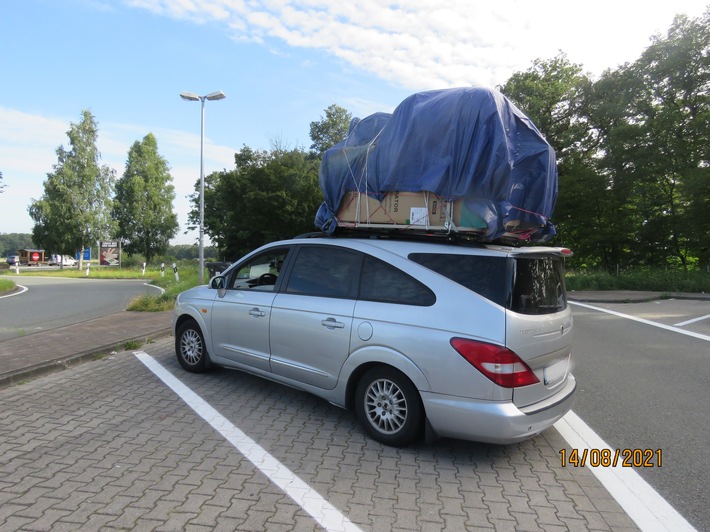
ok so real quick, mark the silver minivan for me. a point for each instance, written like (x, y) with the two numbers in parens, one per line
(418, 336)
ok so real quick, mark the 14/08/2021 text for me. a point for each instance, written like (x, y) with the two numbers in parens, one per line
(612, 457)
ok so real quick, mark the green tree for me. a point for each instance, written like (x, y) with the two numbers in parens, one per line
(269, 196)
(75, 209)
(143, 206)
(330, 129)
(658, 144)
(11, 243)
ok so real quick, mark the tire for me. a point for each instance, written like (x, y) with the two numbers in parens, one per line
(388, 406)
(190, 347)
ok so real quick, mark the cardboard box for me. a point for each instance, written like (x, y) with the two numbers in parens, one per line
(416, 210)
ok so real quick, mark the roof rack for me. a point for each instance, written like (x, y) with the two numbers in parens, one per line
(422, 235)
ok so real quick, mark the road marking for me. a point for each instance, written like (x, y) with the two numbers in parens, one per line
(24, 289)
(636, 497)
(306, 497)
(162, 290)
(647, 322)
(683, 323)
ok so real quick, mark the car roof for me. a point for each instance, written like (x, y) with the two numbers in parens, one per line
(405, 244)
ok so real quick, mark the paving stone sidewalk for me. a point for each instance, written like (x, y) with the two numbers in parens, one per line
(107, 446)
(36, 354)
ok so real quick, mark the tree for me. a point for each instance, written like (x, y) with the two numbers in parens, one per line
(11, 243)
(658, 144)
(330, 130)
(269, 196)
(2, 186)
(75, 209)
(143, 206)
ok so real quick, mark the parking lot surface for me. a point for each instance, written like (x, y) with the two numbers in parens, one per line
(107, 445)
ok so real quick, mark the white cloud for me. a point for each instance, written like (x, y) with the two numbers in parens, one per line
(422, 44)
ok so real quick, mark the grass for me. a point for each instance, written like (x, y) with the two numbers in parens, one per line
(166, 301)
(6, 285)
(131, 345)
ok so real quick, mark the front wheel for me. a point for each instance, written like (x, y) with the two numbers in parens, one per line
(388, 406)
(190, 347)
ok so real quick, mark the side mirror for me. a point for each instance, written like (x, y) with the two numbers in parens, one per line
(217, 282)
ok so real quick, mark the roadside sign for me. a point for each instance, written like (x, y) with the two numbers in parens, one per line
(109, 253)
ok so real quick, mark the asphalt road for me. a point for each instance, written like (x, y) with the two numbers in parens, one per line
(51, 302)
(644, 387)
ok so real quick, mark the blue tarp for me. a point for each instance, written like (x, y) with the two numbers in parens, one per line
(468, 143)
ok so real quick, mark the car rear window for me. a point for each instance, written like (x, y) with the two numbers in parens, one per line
(538, 286)
(527, 285)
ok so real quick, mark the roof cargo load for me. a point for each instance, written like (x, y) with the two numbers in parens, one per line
(453, 160)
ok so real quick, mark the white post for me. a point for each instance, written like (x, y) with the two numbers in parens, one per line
(175, 269)
(87, 268)
(17, 268)
(162, 269)
(143, 273)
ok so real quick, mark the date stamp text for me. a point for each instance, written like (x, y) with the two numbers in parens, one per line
(612, 457)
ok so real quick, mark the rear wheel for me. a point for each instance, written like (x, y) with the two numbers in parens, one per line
(190, 347)
(388, 406)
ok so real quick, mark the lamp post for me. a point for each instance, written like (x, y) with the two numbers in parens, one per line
(191, 96)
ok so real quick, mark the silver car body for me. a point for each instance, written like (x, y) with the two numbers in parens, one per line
(323, 345)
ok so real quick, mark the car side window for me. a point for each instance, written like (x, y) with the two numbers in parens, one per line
(484, 275)
(385, 283)
(259, 273)
(324, 271)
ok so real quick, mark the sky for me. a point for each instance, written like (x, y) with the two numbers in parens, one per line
(281, 63)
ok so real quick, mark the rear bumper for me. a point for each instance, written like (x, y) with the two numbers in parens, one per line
(494, 422)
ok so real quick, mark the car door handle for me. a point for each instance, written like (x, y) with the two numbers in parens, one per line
(330, 323)
(257, 313)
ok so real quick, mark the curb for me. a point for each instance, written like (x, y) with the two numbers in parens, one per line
(20, 376)
(631, 297)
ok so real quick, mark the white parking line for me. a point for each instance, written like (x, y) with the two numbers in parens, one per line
(684, 323)
(638, 499)
(641, 320)
(302, 494)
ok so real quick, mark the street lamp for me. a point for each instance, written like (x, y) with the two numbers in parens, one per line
(191, 96)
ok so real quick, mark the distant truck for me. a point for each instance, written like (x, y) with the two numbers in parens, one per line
(32, 257)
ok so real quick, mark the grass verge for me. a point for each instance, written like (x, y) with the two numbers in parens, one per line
(166, 301)
(6, 285)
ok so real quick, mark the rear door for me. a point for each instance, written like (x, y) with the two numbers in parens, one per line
(312, 316)
(539, 324)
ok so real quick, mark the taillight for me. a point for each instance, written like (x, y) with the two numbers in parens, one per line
(499, 364)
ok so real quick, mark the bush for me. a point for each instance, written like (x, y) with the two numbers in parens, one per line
(642, 279)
